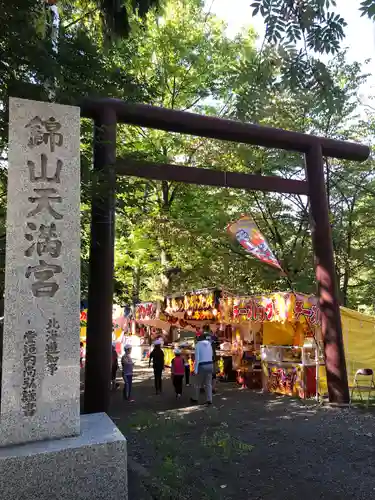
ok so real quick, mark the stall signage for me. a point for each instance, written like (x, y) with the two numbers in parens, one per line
(278, 307)
(310, 311)
(200, 305)
(146, 311)
(83, 317)
(174, 304)
(191, 302)
(209, 315)
(253, 310)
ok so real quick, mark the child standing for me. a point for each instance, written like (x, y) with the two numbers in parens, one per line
(178, 372)
(127, 373)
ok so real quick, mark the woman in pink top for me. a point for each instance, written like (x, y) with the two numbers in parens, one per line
(178, 372)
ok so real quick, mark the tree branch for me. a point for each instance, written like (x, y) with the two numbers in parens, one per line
(92, 11)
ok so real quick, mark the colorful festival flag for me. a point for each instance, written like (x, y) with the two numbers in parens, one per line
(252, 240)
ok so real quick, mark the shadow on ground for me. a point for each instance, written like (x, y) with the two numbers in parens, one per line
(246, 446)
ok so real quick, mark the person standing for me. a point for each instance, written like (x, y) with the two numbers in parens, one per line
(203, 369)
(81, 354)
(187, 369)
(214, 341)
(114, 367)
(157, 358)
(178, 371)
(127, 373)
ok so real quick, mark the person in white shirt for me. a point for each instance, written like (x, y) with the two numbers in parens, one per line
(203, 369)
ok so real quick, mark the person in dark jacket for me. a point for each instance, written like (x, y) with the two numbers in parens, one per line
(157, 358)
(114, 368)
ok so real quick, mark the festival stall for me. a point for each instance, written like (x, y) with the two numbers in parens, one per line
(175, 321)
(118, 325)
(283, 332)
(270, 341)
(276, 342)
(189, 312)
(250, 330)
(150, 325)
(160, 324)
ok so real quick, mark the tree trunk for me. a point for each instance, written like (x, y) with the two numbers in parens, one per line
(345, 284)
(166, 201)
(136, 286)
(164, 264)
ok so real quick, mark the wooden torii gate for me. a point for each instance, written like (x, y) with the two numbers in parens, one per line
(107, 113)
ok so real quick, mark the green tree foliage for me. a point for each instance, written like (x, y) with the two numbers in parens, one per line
(172, 237)
(193, 225)
(316, 22)
(177, 233)
(188, 62)
(312, 21)
(298, 29)
(112, 17)
(81, 66)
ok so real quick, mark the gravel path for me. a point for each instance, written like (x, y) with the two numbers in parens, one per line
(247, 445)
(136, 490)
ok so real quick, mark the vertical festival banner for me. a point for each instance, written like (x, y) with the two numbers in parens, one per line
(252, 240)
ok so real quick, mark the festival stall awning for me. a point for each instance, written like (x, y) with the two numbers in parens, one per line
(194, 309)
(149, 314)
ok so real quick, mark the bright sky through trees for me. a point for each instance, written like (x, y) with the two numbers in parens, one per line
(360, 32)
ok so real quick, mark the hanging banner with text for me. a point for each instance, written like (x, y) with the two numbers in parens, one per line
(252, 240)
(279, 307)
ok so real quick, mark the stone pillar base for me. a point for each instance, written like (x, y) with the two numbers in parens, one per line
(91, 466)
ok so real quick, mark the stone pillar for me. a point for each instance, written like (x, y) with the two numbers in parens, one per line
(46, 449)
(40, 377)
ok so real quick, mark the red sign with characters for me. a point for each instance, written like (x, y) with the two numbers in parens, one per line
(146, 311)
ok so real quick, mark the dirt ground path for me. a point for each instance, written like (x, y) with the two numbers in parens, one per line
(246, 446)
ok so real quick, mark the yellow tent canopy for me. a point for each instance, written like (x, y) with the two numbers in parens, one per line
(359, 343)
(359, 340)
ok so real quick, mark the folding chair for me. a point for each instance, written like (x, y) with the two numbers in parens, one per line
(360, 386)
